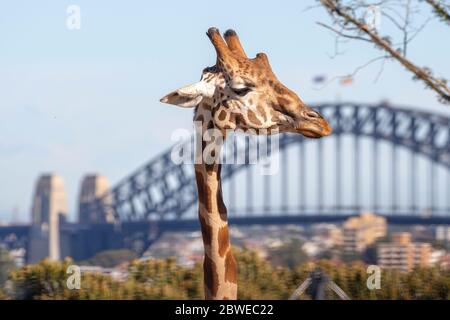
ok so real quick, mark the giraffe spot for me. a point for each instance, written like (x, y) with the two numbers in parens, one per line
(262, 112)
(239, 119)
(208, 199)
(252, 117)
(225, 298)
(219, 170)
(223, 240)
(199, 118)
(210, 169)
(283, 101)
(279, 89)
(275, 117)
(222, 115)
(200, 186)
(210, 276)
(277, 107)
(206, 230)
(230, 268)
(221, 206)
(272, 129)
(210, 125)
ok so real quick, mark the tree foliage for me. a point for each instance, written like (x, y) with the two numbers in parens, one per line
(258, 279)
(349, 22)
(110, 258)
(6, 264)
(289, 255)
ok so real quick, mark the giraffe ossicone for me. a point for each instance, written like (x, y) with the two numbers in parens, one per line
(235, 93)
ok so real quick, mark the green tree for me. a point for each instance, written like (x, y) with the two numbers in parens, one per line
(257, 278)
(289, 255)
(110, 258)
(6, 265)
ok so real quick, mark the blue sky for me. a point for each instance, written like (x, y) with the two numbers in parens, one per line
(74, 102)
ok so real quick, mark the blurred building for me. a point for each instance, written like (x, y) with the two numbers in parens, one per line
(49, 208)
(93, 187)
(362, 231)
(444, 262)
(18, 257)
(442, 234)
(437, 256)
(186, 247)
(403, 254)
(330, 235)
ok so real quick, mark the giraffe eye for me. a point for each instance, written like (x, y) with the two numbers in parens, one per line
(241, 91)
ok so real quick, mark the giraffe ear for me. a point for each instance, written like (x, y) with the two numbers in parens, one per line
(185, 97)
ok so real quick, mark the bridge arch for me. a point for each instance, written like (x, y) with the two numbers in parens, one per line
(163, 190)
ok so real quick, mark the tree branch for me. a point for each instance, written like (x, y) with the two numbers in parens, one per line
(340, 33)
(440, 10)
(423, 74)
(358, 69)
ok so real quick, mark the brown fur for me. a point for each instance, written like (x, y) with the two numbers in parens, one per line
(206, 231)
(252, 118)
(211, 278)
(222, 115)
(224, 241)
(200, 185)
(230, 268)
(220, 205)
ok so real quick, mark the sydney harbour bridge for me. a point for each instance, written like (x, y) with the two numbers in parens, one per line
(380, 158)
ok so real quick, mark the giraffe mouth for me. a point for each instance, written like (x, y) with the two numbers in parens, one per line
(312, 124)
(315, 131)
(311, 134)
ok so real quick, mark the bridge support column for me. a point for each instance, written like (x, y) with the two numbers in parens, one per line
(249, 189)
(356, 175)
(285, 181)
(394, 203)
(320, 166)
(412, 174)
(338, 173)
(431, 188)
(375, 204)
(302, 177)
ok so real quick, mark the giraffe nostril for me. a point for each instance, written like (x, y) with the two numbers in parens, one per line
(313, 114)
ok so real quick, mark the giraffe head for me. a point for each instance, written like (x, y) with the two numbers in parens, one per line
(243, 93)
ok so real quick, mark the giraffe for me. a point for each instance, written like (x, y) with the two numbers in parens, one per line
(235, 93)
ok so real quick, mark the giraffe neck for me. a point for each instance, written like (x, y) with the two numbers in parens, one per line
(219, 266)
